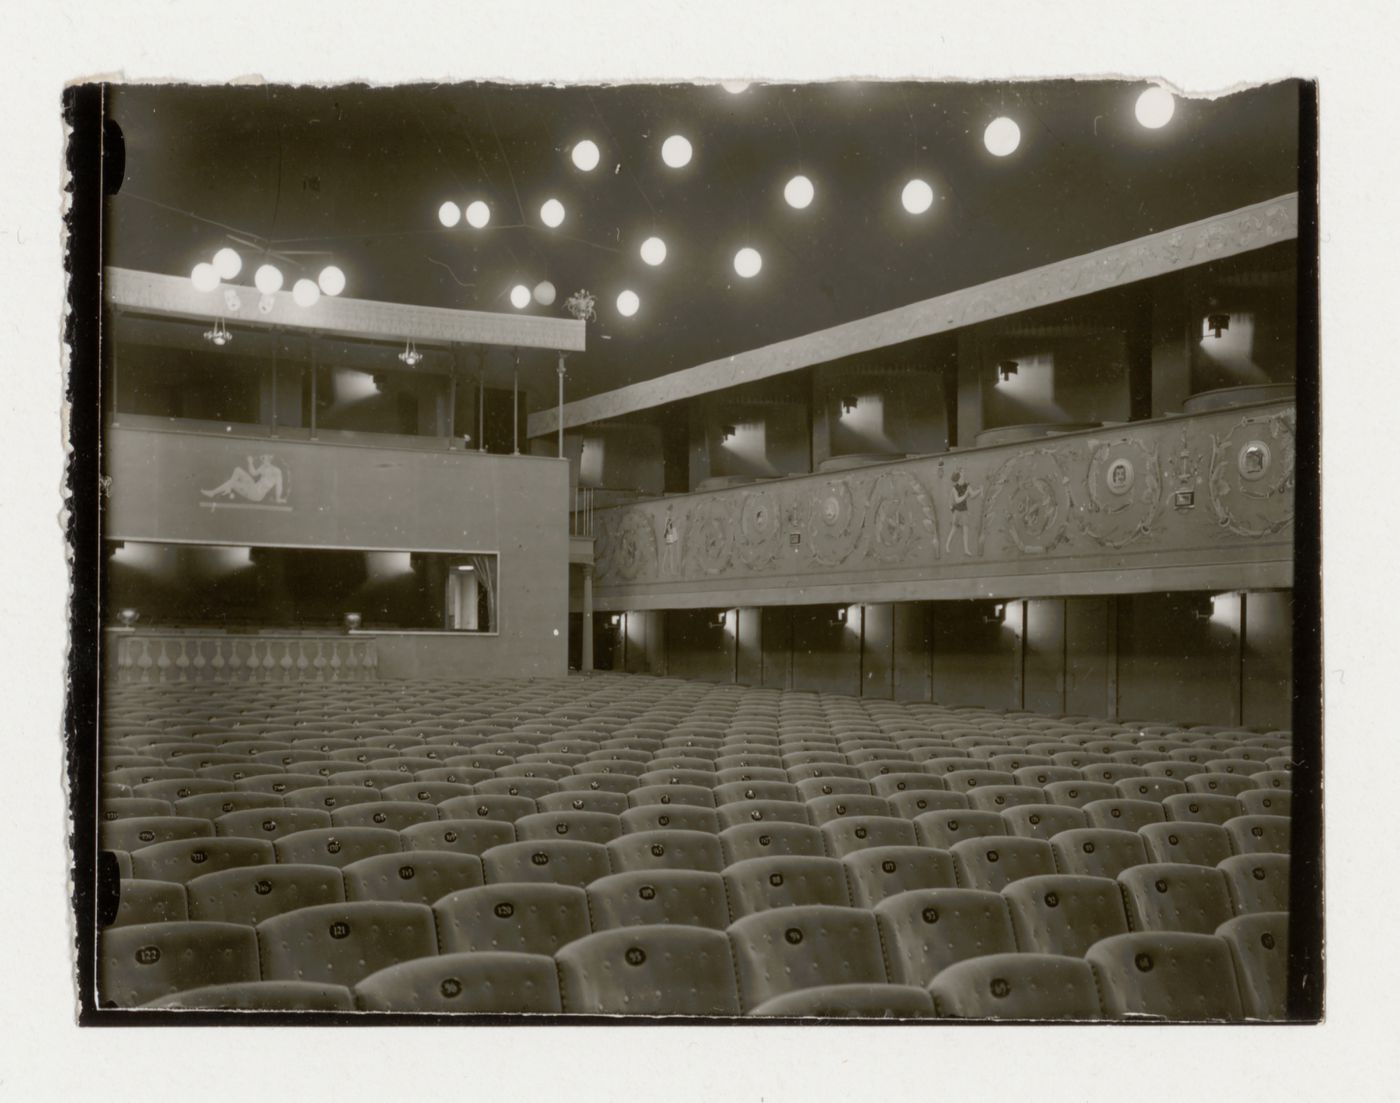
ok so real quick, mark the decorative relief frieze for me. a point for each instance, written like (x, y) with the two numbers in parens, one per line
(153, 659)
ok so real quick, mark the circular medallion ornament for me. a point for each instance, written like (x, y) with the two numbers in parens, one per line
(1030, 496)
(1120, 476)
(902, 523)
(1253, 460)
(836, 523)
(634, 552)
(709, 534)
(760, 530)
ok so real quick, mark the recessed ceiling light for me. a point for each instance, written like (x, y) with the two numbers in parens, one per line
(586, 155)
(520, 296)
(268, 279)
(552, 213)
(449, 214)
(227, 263)
(799, 192)
(332, 280)
(917, 197)
(747, 262)
(627, 303)
(1155, 107)
(1001, 137)
(478, 213)
(676, 151)
(653, 251)
(204, 276)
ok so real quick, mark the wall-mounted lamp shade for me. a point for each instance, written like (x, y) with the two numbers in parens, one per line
(520, 296)
(268, 279)
(676, 151)
(849, 403)
(1155, 107)
(653, 251)
(1001, 137)
(1216, 325)
(449, 214)
(332, 280)
(305, 292)
(585, 155)
(204, 276)
(917, 197)
(227, 263)
(1007, 368)
(478, 214)
(726, 432)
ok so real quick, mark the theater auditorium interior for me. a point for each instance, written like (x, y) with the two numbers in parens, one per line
(727, 550)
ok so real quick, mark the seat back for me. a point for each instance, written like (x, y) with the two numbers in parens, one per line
(1123, 814)
(1259, 948)
(994, 861)
(1266, 802)
(1150, 788)
(335, 846)
(851, 1001)
(1063, 913)
(588, 827)
(262, 995)
(1231, 785)
(1076, 794)
(1168, 974)
(558, 861)
(419, 878)
(691, 897)
(943, 828)
(1097, 851)
(667, 848)
(1042, 821)
(184, 859)
(762, 812)
(255, 893)
(145, 961)
(580, 801)
(344, 943)
(882, 871)
(517, 917)
(466, 983)
(1257, 882)
(825, 809)
(1175, 897)
(849, 834)
(210, 806)
(1017, 986)
(1192, 843)
(784, 880)
(757, 840)
(697, 796)
(926, 930)
(270, 823)
(149, 902)
(682, 817)
(1260, 834)
(1213, 808)
(915, 803)
(785, 949)
(665, 969)
(463, 836)
(142, 831)
(391, 815)
(486, 806)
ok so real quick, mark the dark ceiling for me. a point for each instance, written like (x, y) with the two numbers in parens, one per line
(360, 173)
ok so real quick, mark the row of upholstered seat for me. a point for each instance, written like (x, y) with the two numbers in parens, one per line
(401, 957)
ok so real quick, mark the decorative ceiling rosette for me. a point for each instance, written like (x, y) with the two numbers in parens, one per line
(835, 519)
(709, 533)
(1124, 491)
(1251, 474)
(1030, 496)
(759, 538)
(902, 524)
(635, 553)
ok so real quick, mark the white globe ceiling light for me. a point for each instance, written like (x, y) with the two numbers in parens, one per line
(332, 280)
(227, 263)
(917, 197)
(268, 279)
(478, 214)
(748, 262)
(628, 303)
(1002, 137)
(799, 192)
(305, 292)
(552, 213)
(586, 155)
(653, 251)
(520, 296)
(449, 214)
(676, 151)
(734, 87)
(545, 293)
(1155, 107)
(204, 277)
